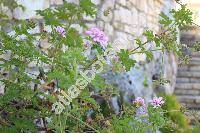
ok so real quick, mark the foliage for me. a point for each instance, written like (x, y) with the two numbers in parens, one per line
(175, 112)
(29, 96)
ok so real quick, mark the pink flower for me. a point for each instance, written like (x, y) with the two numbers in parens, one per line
(157, 102)
(60, 30)
(139, 101)
(98, 36)
(116, 58)
(87, 44)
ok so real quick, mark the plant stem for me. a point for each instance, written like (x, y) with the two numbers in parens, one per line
(146, 51)
(84, 123)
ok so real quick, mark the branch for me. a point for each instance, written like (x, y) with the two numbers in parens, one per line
(84, 123)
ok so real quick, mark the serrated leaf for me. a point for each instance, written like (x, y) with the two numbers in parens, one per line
(126, 61)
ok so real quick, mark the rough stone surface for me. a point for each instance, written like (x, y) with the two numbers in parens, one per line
(30, 7)
(188, 81)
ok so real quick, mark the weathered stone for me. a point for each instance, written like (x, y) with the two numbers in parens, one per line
(182, 80)
(121, 41)
(134, 17)
(56, 2)
(130, 29)
(123, 15)
(122, 2)
(109, 30)
(142, 5)
(118, 26)
(195, 80)
(189, 74)
(194, 68)
(196, 54)
(188, 99)
(188, 86)
(30, 8)
(187, 92)
(158, 4)
(151, 4)
(97, 2)
(134, 2)
(107, 6)
(73, 1)
(142, 20)
(101, 24)
(183, 68)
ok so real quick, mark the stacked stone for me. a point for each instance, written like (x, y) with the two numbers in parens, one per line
(188, 82)
(188, 77)
(188, 86)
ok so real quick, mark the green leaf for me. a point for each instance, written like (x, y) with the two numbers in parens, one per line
(165, 20)
(126, 61)
(149, 35)
(88, 7)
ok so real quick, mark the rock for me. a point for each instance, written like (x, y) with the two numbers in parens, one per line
(30, 8)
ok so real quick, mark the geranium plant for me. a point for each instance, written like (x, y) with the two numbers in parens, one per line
(27, 104)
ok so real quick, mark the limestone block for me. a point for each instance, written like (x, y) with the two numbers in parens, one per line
(73, 1)
(100, 24)
(186, 99)
(187, 92)
(30, 7)
(121, 41)
(97, 2)
(151, 4)
(142, 5)
(123, 15)
(189, 74)
(130, 29)
(109, 30)
(107, 6)
(158, 4)
(56, 2)
(188, 86)
(142, 20)
(118, 25)
(134, 2)
(134, 17)
(194, 80)
(122, 2)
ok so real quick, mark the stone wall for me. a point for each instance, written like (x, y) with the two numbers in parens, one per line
(127, 19)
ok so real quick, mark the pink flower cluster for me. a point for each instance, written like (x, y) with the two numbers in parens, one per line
(60, 30)
(157, 102)
(139, 101)
(98, 36)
